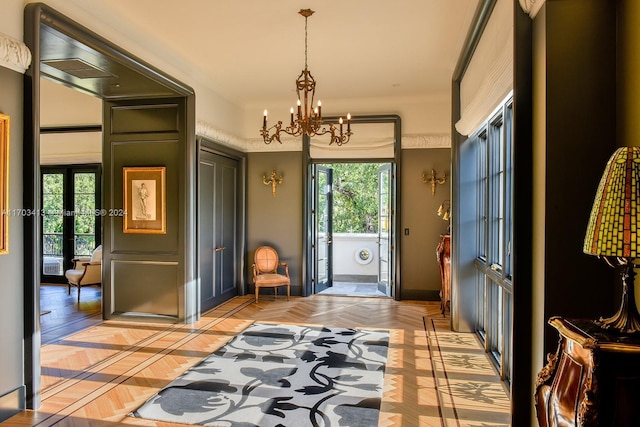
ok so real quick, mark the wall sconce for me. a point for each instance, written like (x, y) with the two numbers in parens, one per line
(274, 180)
(433, 181)
(444, 210)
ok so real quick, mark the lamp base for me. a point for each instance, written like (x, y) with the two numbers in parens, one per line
(627, 319)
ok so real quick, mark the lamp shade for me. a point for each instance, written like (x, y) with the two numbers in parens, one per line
(613, 225)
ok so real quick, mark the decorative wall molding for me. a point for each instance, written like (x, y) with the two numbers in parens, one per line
(14, 54)
(212, 133)
(426, 141)
(288, 144)
(531, 7)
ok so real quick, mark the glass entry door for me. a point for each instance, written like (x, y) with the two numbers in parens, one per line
(324, 228)
(384, 228)
(71, 217)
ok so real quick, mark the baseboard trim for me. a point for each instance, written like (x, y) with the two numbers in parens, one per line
(12, 403)
(420, 294)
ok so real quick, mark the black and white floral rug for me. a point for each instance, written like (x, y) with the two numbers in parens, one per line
(281, 375)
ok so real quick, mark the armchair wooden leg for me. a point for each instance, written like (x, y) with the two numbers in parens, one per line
(257, 290)
(79, 287)
(288, 292)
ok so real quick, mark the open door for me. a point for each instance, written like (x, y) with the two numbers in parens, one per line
(384, 229)
(324, 228)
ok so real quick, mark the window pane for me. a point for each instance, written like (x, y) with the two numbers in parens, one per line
(84, 208)
(52, 223)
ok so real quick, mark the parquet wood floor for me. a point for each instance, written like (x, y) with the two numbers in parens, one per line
(95, 377)
(61, 314)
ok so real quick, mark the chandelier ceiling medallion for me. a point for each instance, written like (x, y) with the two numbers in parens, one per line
(308, 119)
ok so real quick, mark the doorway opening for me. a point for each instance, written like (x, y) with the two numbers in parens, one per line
(351, 218)
(70, 229)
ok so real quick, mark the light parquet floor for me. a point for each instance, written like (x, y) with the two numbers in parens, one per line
(97, 376)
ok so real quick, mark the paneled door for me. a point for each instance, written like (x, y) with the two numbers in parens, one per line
(217, 228)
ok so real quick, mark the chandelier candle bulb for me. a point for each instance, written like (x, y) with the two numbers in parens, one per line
(319, 108)
(264, 121)
(291, 111)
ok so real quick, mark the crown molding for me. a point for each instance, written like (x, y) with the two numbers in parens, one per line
(206, 130)
(212, 133)
(288, 144)
(426, 141)
(531, 7)
(14, 54)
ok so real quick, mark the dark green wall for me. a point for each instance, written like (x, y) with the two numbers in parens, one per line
(12, 393)
(580, 137)
(148, 273)
(277, 220)
(420, 273)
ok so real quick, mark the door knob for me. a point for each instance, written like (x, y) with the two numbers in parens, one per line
(219, 248)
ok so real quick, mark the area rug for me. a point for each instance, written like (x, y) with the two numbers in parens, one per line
(281, 375)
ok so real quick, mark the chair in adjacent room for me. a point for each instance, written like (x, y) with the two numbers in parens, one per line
(265, 271)
(85, 271)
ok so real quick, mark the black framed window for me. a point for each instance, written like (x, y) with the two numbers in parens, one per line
(493, 263)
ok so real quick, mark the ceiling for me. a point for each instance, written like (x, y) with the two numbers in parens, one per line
(251, 51)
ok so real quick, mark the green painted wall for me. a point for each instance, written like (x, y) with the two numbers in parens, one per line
(420, 273)
(11, 264)
(277, 220)
(628, 107)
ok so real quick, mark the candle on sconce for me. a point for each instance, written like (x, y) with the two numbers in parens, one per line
(299, 113)
(291, 111)
(264, 121)
(348, 122)
(319, 108)
(340, 125)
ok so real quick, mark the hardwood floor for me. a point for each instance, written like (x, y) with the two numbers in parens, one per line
(95, 377)
(61, 314)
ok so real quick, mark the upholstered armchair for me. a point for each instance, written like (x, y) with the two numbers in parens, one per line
(85, 271)
(265, 271)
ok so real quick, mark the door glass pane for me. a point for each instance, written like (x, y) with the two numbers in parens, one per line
(52, 223)
(322, 218)
(384, 226)
(84, 214)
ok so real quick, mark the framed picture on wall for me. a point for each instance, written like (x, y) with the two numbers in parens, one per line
(4, 184)
(144, 200)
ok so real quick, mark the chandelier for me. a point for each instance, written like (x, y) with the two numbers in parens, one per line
(307, 119)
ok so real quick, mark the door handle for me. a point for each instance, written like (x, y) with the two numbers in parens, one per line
(219, 248)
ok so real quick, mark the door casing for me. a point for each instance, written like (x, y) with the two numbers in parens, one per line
(308, 260)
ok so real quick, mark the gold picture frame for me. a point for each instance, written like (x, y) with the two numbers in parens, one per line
(144, 200)
(4, 183)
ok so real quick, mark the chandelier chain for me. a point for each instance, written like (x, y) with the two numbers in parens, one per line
(305, 42)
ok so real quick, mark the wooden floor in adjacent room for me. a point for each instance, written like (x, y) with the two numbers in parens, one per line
(95, 377)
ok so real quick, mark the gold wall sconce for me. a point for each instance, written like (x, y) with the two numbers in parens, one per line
(274, 180)
(444, 210)
(433, 181)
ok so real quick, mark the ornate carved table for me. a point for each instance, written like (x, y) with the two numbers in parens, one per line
(592, 380)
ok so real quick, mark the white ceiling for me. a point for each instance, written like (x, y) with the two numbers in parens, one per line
(251, 51)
